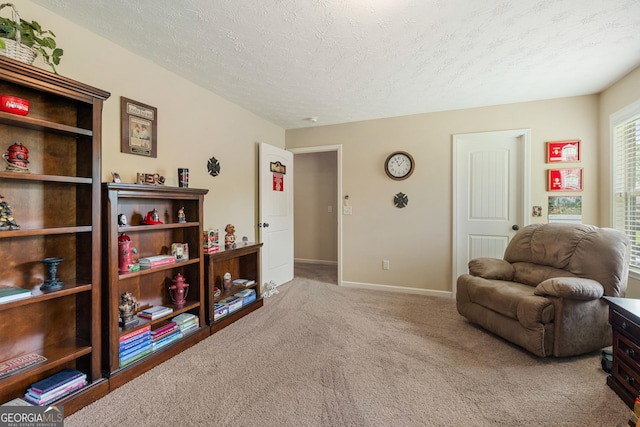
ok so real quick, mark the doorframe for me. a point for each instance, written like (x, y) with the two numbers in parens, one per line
(338, 150)
(525, 182)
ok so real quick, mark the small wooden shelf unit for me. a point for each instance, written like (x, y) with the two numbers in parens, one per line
(150, 287)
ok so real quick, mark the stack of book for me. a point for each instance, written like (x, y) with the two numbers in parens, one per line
(186, 322)
(233, 303)
(244, 282)
(155, 312)
(13, 293)
(164, 335)
(156, 261)
(55, 387)
(247, 296)
(219, 311)
(135, 345)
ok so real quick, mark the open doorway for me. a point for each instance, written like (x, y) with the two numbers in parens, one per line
(317, 213)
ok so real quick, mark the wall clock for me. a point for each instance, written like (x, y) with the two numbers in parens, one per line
(400, 200)
(213, 166)
(399, 165)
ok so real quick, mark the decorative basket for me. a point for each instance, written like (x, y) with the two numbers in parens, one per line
(15, 49)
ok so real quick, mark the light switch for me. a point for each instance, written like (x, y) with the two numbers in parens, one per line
(348, 210)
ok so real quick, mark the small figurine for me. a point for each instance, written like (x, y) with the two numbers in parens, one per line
(181, 216)
(180, 289)
(127, 308)
(230, 237)
(7, 222)
(152, 217)
(17, 158)
(122, 220)
(227, 280)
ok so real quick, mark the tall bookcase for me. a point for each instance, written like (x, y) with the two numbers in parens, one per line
(150, 287)
(57, 205)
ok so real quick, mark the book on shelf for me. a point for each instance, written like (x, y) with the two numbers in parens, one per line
(219, 311)
(233, 302)
(183, 317)
(175, 335)
(34, 396)
(156, 261)
(13, 293)
(56, 380)
(247, 295)
(130, 352)
(18, 401)
(130, 335)
(135, 341)
(10, 366)
(56, 396)
(155, 312)
(132, 359)
(165, 331)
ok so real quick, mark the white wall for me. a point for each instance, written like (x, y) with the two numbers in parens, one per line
(193, 124)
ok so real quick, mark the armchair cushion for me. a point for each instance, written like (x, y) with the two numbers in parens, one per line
(491, 268)
(570, 287)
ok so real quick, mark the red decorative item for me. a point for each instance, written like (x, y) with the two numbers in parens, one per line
(125, 253)
(17, 157)
(180, 289)
(14, 105)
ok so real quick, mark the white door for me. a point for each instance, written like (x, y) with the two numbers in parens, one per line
(491, 193)
(275, 222)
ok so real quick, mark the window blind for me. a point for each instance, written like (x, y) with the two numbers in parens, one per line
(626, 183)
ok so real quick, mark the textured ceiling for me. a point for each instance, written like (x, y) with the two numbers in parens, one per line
(350, 60)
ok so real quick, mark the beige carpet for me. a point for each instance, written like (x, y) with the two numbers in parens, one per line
(321, 355)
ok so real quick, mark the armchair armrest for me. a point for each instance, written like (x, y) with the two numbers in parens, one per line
(491, 268)
(570, 287)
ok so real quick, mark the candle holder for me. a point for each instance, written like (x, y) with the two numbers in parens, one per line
(52, 284)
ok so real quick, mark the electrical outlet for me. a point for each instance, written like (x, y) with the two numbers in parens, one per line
(385, 264)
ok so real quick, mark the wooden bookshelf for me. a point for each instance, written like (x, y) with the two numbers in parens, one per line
(57, 205)
(150, 287)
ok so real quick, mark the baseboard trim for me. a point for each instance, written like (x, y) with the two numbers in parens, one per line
(314, 261)
(401, 289)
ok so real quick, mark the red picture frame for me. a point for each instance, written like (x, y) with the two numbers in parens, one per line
(563, 151)
(569, 179)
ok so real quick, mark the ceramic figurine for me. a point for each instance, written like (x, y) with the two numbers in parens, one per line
(152, 217)
(7, 222)
(181, 216)
(127, 308)
(178, 290)
(230, 237)
(122, 220)
(17, 158)
(227, 280)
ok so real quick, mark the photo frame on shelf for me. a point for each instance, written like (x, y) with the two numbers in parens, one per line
(139, 128)
(563, 151)
(569, 179)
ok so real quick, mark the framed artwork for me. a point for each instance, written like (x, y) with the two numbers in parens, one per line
(563, 151)
(139, 128)
(564, 179)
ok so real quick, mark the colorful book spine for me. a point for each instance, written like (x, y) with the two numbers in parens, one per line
(62, 394)
(136, 332)
(166, 340)
(158, 337)
(134, 341)
(9, 366)
(134, 350)
(129, 361)
(55, 380)
(43, 397)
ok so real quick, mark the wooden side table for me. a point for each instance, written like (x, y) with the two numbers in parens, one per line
(624, 317)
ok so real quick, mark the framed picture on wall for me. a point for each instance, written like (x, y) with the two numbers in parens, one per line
(139, 128)
(563, 151)
(564, 179)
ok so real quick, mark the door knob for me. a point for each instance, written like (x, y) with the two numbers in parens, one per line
(263, 224)
(515, 227)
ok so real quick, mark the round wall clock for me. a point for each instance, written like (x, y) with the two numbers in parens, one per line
(213, 166)
(399, 165)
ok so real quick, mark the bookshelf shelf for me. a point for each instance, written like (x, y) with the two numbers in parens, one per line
(150, 287)
(57, 205)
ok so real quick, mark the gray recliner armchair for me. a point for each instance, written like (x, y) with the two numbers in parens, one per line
(546, 294)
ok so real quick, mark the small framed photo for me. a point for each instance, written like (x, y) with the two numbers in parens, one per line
(564, 179)
(563, 151)
(139, 128)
